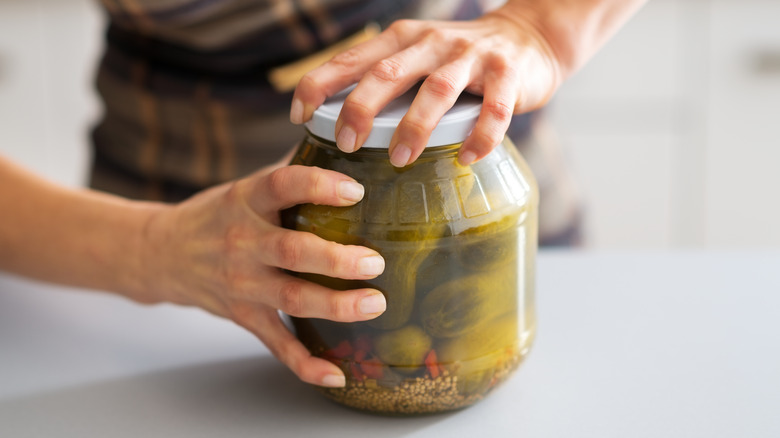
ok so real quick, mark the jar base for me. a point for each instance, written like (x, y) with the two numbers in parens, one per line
(422, 395)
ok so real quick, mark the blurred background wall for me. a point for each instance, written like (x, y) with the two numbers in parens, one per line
(674, 127)
(672, 130)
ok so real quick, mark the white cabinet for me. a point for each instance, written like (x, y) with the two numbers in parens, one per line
(743, 157)
(672, 129)
(617, 119)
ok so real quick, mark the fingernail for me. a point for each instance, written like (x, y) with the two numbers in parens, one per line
(351, 191)
(372, 265)
(334, 381)
(467, 158)
(346, 139)
(296, 112)
(373, 304)
(400, 155)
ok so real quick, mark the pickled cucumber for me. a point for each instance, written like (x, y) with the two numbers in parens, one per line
(404, 348)
(407, 246)
(478, 353)
(482, 342)
(400, 276)
(482, 248)
(464, 303)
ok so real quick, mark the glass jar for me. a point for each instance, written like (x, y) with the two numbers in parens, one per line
(459, 244)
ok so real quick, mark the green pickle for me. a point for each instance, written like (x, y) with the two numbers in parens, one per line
(478, 351)
(403, 349)
(463, 304)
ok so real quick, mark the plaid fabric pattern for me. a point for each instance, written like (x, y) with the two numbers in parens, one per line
(184, 87)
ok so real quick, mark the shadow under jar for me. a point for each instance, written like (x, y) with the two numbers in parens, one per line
(459, 244)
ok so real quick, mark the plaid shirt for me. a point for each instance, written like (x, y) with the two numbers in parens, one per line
(187, 103)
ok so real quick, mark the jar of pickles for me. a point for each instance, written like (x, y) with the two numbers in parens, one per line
(459, 244)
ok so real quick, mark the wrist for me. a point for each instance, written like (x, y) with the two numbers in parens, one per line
(147, 280)
(178, 253)
(121, 247)
(548, 22)
(531, 32)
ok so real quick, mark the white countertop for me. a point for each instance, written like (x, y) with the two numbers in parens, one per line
(630, 344)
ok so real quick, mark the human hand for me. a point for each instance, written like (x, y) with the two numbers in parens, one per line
(224, 251)
(500, 56)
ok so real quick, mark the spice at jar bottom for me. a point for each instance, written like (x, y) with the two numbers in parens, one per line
(420, 395)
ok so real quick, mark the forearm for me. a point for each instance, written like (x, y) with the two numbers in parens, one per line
(73, 237)
(574, 29)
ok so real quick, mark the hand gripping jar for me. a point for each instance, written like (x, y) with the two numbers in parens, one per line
(459, 244)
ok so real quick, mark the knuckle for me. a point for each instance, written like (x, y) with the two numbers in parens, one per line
(278, 182)
(233, 193)
(337, 261)
(416, 126)
(442, 84)
(340, 309)
(486, 140)
(347, 60)
(289, 250)
(435, 35)
(498, 110)
(290, 298)
(401, 27)
(317, 185)
(357, 108)
(388, 70)
(309, 82)
(501, 64)
(460, 44)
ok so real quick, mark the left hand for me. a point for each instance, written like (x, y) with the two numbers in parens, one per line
(224, 250)
(500, 55)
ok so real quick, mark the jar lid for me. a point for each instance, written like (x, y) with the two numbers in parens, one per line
(454, 127)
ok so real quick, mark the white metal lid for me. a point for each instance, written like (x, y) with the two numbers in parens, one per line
(454, 127)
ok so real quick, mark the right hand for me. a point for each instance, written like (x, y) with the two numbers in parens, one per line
(502, 56)
(224, 251)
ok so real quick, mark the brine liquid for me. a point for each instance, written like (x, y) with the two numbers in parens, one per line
(460, 318)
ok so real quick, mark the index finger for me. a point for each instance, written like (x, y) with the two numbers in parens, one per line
(296, 184)
(346, 69)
